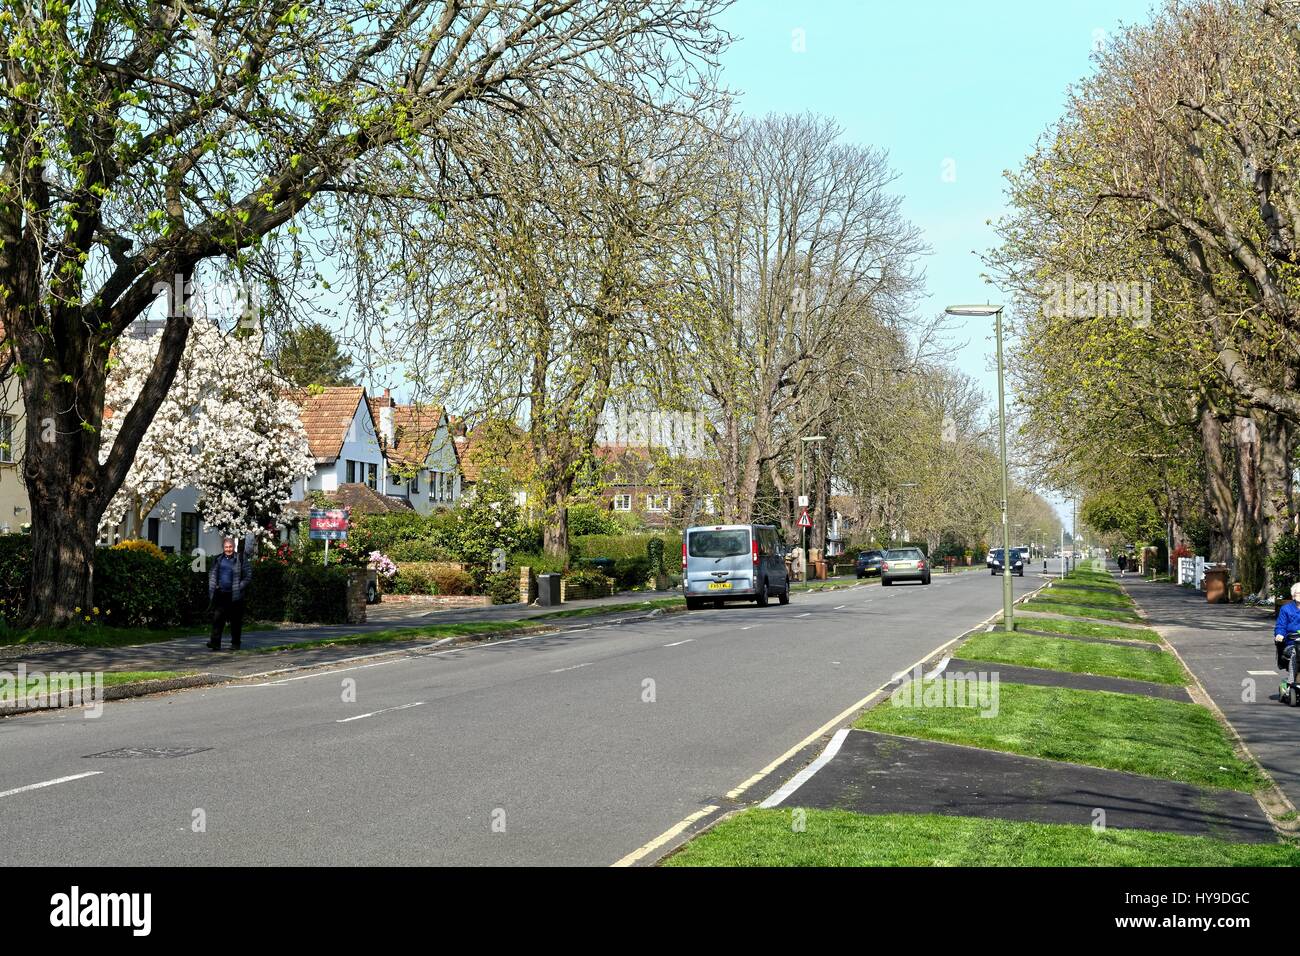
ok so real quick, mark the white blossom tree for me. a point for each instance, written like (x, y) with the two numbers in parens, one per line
(226, 427)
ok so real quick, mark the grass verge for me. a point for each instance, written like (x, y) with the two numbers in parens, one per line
(1076, 657)
(1146, 735)
(111, 679)
(841, 838)
(1089, 629)
(1079, 610)
(99, 636)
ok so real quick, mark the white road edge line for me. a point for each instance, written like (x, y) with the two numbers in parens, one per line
(663, 838)
(376, 713)
(939, 670)
(49, 783)
(680, 643)
(840, 608)
(806, 774)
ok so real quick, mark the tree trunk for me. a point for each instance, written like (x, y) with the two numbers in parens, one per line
(1277, 496)
(1247, 541)
(556, 541)
(63, 555)
(1218, 489)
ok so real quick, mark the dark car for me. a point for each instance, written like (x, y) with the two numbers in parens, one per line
(1017, 563)
(868, 563)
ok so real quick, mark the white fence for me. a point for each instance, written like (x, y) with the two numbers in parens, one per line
(1191, 570)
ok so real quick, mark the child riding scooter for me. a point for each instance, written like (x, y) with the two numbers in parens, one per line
(1286, 634)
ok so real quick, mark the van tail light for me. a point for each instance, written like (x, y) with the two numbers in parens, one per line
(683, 554)
(921, 565)
(753, 549)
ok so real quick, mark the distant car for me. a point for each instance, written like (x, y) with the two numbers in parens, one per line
(868, 563)
(1017, 563)
(904, 564)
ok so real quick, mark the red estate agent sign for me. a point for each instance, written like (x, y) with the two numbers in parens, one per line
(804, 520)
(330, 525)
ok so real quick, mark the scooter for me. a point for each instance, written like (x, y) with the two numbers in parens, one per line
(1288, 659)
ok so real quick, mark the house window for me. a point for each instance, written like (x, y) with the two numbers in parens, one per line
(6, 438)
(153, 530)
(413, 486)
(658, 503)
(352, 471)
(189, 531)
(372, 475)
(622, 502)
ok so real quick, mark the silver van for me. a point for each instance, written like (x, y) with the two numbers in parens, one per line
(730, 562)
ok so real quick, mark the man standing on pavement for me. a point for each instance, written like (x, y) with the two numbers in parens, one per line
(228, 579)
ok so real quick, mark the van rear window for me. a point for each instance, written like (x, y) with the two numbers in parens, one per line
(718, 544)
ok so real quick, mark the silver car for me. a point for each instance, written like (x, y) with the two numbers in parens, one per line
(904, 564)
(734, 562)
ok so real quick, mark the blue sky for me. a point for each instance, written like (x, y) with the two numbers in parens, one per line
(956, 91)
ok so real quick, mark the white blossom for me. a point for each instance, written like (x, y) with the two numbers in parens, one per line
(225, 428)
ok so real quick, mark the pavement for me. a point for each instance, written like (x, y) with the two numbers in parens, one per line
(190, 654)
(583, 746)
(1229, 647)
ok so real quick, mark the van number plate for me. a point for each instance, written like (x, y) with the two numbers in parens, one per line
(720, 586)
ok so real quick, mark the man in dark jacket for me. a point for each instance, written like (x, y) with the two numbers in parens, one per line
(228, 579)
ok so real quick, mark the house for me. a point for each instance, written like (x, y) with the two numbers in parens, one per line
(343, 439)
(659, 490)
(423, 462)
(496, 445)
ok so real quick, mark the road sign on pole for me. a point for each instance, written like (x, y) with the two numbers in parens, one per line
(804, 520)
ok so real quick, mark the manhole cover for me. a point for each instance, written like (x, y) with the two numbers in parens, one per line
(151, 752)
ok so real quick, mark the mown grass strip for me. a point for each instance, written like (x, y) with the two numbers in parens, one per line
(842, 838)
(1079, 610)
(1146, 735)
(1075, 657)
(1088, 629)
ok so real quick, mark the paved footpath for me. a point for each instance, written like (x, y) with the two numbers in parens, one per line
(190, 654)
(1229, 647)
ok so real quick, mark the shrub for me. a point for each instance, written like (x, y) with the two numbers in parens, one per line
(586, 519)
(316, 595)
(503, 588)
(577, 579)
(265, 599)
(15, 575)
(540, 563)
(433, 577)
(621, 546)
(654, 550)
(135, 589)
(141, 545)
(1284, 564)
(423, 550)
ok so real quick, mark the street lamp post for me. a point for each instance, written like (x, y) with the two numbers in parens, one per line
(803, 467)
(996, 311)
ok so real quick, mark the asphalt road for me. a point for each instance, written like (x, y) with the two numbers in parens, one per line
(541, 750)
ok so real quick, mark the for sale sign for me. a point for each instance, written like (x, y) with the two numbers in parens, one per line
(329, 525)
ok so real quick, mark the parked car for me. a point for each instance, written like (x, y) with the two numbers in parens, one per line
(1017, 564)
(868, 563)
(904, 564)
(734, 562)
(988, 559)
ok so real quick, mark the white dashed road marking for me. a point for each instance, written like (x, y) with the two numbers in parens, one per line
(49, 783)
(375, 713)
(561, 670)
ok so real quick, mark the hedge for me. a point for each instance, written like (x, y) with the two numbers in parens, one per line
(135, 589)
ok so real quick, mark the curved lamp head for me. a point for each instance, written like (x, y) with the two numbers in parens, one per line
(979, 310)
